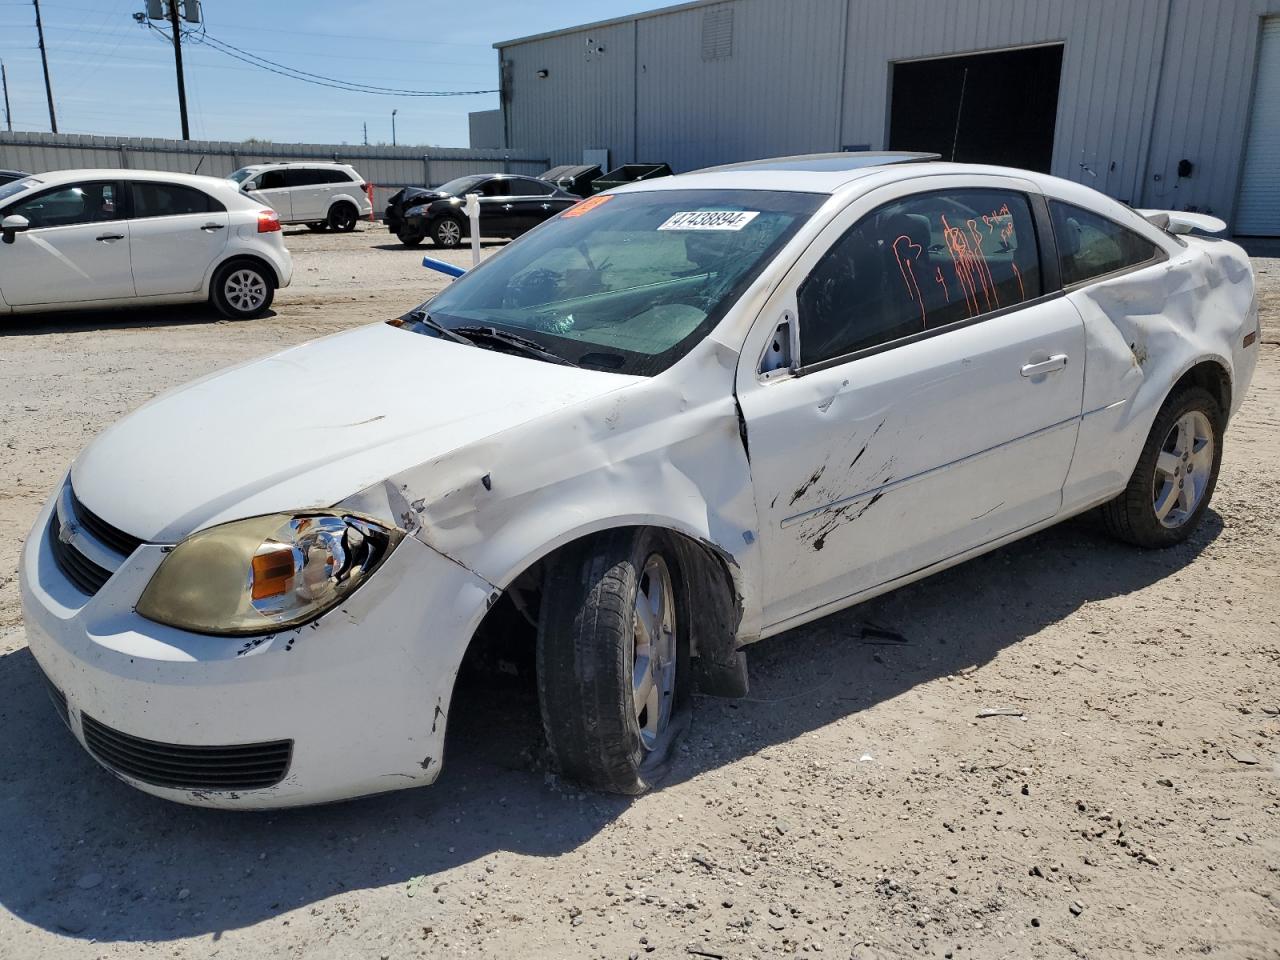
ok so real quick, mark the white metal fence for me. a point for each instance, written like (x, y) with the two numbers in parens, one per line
(387, 168)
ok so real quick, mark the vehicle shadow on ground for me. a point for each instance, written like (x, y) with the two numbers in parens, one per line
(88, 857)
(428, 249)
(119, 318)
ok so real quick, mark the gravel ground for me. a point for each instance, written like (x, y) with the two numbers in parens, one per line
(855, 806)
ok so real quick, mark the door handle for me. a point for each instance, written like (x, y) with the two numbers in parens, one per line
(1056, 362)
(108, 237)
(213, 226)
(506, 206)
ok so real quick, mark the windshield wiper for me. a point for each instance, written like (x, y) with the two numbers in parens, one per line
(424, 318)
(495, 336)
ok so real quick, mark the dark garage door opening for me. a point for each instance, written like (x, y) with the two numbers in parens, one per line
(982, 108)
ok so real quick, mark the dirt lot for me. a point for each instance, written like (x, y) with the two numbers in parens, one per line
(854, 806)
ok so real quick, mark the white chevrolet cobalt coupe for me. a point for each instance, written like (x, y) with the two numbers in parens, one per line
(677, 418)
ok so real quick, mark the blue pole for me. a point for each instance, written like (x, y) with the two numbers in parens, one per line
(446, 268)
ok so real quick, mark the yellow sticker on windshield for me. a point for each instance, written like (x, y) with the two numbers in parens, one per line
(586, 206)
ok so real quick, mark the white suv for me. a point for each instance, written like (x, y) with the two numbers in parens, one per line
(318, 194)
(106, 238)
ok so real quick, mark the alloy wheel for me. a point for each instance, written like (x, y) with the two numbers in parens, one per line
(654, 667)
(1184, 467)
(245, 290)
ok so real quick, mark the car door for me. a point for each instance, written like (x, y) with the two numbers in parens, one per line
(175, 233)
(76, 249)
(307, 193)
(934, 398)
(269, 189)
(535, 201)
(497, 208)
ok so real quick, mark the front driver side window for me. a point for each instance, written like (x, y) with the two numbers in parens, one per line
(70, 205)
(918, 264)
(271, 180)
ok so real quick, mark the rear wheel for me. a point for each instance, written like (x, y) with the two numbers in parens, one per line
(243, 289)
(343, 217)
(447, 232)
(612, 660)
(1176, 473)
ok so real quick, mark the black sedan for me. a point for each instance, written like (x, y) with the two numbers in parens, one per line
(509, 205)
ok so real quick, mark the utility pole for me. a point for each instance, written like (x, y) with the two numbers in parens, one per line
(366, 133)
(393, 126)
(177, 58)
(4, 81)
(44, 59)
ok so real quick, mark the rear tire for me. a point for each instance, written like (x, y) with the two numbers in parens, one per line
(1175, 476)
(343, 217)
(317, 227)
(242, 289)
(613, 632)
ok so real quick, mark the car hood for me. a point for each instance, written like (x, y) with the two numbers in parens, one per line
(311, 426)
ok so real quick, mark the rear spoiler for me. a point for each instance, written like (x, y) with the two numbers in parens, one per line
(1178, 221)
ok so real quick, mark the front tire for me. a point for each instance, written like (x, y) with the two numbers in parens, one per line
(1176, 473)
(409, 238)
(447, 232)
(343, 217)
(242, 289)
(613, 660)
(318, 227)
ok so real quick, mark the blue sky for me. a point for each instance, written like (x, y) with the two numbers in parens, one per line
(112, 76)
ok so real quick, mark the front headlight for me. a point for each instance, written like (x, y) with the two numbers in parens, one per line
(266, 573)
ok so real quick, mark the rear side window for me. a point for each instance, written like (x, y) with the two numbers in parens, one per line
(170, 200)
(529, 187)
(1092, 246)
(918, 264)
(302, 177)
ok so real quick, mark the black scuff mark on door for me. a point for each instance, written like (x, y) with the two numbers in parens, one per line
(838, 518)
(435, 719)
(804, 487)
(858, 456)
(427, 762)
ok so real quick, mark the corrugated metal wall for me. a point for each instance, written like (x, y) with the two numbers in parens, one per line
(388, 168)
(1145, 83)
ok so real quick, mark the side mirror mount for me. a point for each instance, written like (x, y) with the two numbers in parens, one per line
(13, 225)
(247, 186)
(780, 353)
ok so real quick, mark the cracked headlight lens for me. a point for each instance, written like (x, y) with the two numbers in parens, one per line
(266, 573)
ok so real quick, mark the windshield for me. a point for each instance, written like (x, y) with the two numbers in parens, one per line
(626, 282)
(241, 175)
(459, 185)
(15, 187)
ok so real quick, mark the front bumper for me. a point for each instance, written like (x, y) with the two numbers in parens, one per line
(359, 696)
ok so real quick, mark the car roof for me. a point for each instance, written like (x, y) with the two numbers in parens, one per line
(327, 164)
(55, 177)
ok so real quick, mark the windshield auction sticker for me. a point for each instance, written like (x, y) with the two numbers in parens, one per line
(709, 220)
(587, 205)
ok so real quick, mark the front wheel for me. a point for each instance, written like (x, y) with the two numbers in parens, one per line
(1176, 473)
(613, 660)
(409, 238)
(242, 290)
(447, 232)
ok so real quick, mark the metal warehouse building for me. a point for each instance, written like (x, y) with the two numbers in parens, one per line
(1161, 103)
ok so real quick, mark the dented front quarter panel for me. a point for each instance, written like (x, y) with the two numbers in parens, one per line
(663, 452)
(1144, 331)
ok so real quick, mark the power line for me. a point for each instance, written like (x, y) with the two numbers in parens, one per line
(294, 73)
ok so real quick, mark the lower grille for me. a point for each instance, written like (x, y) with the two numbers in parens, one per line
(248, 766)
(87, 576)
(57, 696)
